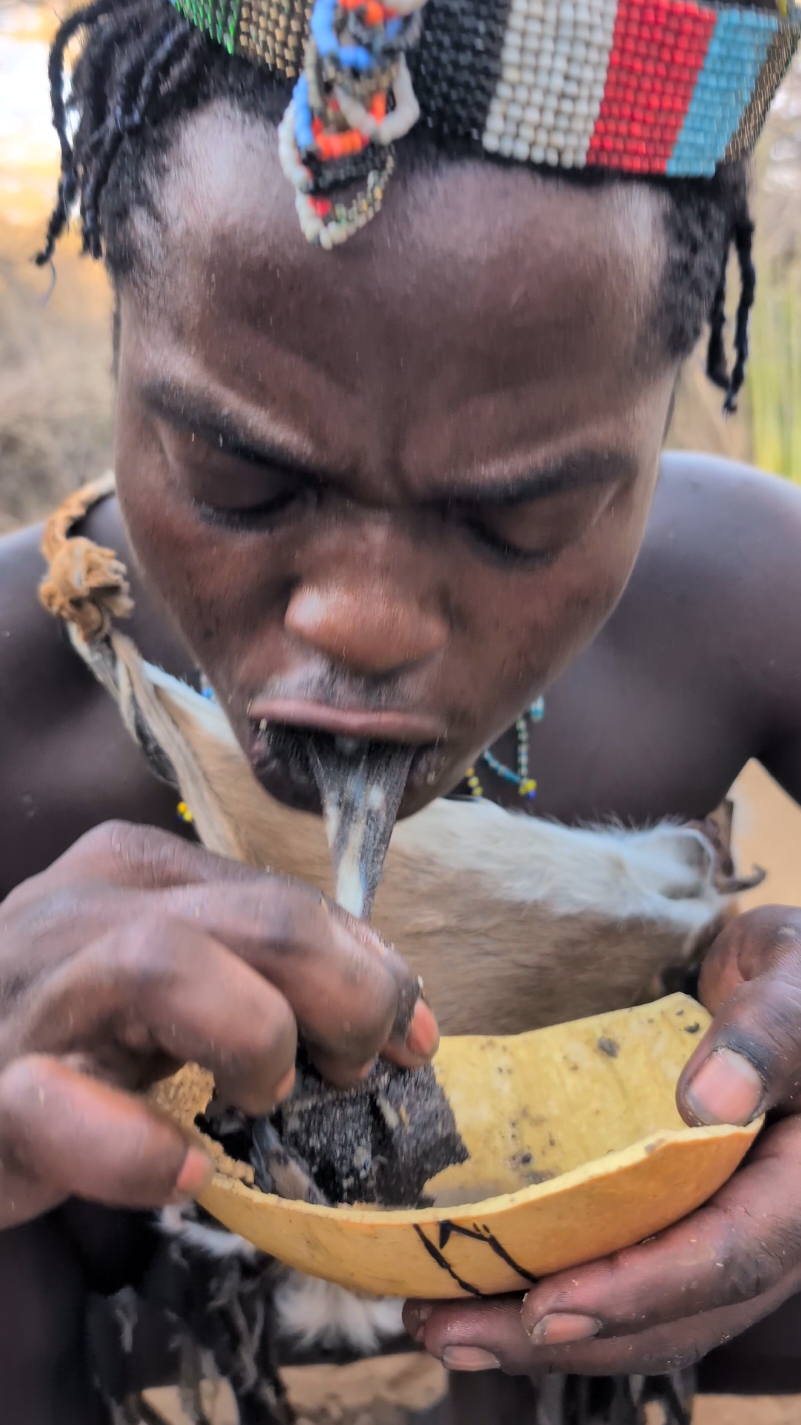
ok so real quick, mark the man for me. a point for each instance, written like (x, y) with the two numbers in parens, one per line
(395, 491)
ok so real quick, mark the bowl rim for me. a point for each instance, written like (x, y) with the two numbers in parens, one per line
(596, 1169)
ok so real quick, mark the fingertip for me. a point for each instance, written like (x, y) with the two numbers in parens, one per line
(196, 1173)
(423, 1036)
(469, 1358)
(421, 1041)
(285, 1087)
(561, 1328)
(726, 1088)
(415, 1316)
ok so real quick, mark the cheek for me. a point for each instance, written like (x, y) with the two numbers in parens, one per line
(533, 626)
(216, 590)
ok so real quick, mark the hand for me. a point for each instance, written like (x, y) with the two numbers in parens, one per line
(667, 1303)
(135, 952)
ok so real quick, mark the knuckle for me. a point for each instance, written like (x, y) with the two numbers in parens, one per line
(277, 1032)
(147, 957)
(105, 843)
(294, 917)
(22, 1084)
(117, 848)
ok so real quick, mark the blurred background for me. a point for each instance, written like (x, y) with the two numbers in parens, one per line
(56, 410)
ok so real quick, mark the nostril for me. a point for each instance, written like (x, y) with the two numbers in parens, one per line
(365, 628)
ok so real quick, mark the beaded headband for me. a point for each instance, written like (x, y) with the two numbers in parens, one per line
(670, 87)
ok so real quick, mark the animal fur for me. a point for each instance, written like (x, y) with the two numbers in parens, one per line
(309, 1312)
(513, 922)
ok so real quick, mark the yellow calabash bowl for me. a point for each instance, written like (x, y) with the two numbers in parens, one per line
(576, 1150)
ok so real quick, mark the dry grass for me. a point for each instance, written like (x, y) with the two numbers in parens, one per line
(56, 390)
(774, 380)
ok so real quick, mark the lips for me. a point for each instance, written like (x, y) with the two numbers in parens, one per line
(367, 724)
(278, 755)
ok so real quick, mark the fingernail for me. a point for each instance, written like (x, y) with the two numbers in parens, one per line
(286, 1085)
(469, 1358)
(417, 1321)
(423, 1034)
(560, 1327)
(726, 1089)
(196, 1173)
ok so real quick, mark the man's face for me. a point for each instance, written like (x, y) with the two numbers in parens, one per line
(392, 490)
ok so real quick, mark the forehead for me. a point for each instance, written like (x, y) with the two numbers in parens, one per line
(483, 298)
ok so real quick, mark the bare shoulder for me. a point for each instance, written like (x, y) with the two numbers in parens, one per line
(66, 762)
(716, 590)
(729, 536)
(727, 509)
(35, 660)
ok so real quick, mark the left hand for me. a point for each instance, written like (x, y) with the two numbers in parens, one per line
(667, 1303)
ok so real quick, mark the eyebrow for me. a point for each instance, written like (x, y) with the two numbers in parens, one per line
(234, 435)
(187, 411)
(575, 471)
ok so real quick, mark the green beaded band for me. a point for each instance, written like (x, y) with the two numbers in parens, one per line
(270, 32)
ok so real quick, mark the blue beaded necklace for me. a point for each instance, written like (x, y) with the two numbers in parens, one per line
(526, 786)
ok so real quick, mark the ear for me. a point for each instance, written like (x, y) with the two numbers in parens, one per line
(718, 828)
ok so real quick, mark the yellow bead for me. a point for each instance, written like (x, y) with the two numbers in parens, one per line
(526, 787)
(184, 812)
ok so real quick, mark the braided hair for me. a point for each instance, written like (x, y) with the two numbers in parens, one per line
(143, 66)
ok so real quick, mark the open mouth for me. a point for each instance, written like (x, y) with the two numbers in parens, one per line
(280, 757)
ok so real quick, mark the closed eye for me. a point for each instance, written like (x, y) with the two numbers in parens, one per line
(532, 531)
(259, 516)
(499, 543)
(233, 488)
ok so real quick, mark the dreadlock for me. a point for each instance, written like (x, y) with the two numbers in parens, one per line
(143, 67)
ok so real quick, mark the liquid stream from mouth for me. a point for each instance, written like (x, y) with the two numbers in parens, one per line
(381, 1141)
(361, 785)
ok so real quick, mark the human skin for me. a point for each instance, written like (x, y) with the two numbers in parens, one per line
(665, 1304)
(442, 357)
(481, 490)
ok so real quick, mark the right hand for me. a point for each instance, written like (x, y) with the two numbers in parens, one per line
(135, 952)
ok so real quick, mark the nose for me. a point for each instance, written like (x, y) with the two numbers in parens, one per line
(368, 632)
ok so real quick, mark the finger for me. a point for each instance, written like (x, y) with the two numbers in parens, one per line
(482, 1334)
(166, 988)
(350, 992)
(749, 946)
(62, 1134)
(421, 1041)
(128, 856)
(740, 1245)
(750, 1058)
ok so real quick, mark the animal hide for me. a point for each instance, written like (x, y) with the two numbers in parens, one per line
(513, 922)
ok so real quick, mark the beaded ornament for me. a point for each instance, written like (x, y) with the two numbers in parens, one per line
(670, 87)
(526, 786)
(353, 99)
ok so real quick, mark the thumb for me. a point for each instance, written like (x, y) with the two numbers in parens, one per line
(750, 1058)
